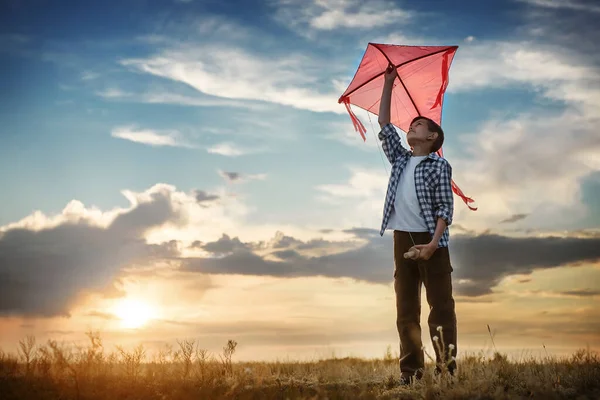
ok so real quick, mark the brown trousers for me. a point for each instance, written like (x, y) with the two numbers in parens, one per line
(409, 275)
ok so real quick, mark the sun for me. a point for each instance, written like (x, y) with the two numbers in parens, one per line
(133, 313)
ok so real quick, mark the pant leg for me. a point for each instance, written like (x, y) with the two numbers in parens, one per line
(437, 278)
(407, 285)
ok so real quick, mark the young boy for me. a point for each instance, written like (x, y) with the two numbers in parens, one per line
(419, 208)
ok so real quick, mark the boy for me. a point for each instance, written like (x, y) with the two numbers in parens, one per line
(419, 208)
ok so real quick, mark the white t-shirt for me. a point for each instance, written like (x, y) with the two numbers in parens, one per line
(406, 214)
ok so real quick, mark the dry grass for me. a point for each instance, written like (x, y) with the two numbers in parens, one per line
(54, 371)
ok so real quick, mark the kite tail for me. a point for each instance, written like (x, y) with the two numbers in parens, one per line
(457, 190)
(460, 193)
(358, 126)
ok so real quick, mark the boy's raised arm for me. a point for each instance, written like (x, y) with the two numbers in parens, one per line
(392, 147)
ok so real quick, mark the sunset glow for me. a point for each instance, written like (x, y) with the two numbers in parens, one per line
(133, 313)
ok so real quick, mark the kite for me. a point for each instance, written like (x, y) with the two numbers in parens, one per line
(419, 90)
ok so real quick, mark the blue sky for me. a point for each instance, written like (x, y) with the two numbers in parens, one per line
(58, 57)
(238, 100)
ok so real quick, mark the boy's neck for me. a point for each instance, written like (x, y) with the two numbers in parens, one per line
(419, 151)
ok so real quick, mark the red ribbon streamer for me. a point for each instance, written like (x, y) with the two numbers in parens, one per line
(358, 126)
(457, 190)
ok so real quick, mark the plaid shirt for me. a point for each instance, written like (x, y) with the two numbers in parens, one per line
(433, 181)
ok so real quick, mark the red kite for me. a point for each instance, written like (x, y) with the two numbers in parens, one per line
(422, 81)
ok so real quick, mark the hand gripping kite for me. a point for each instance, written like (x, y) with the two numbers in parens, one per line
(422, 81)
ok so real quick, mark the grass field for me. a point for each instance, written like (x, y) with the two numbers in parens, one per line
(54, 371)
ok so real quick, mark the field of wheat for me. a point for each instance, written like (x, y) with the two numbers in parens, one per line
(186, 371)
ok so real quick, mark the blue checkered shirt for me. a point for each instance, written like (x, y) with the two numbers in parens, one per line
(433, 182)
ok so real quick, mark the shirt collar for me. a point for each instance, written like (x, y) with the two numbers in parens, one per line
(432, 155)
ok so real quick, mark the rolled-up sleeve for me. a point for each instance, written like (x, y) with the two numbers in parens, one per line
(390, 142)
(443, 196)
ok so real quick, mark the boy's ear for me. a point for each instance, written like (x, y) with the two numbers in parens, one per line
(433, 136)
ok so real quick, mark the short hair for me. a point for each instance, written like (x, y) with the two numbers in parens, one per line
(433, 126)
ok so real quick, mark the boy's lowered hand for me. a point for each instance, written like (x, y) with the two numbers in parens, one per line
(425, 251)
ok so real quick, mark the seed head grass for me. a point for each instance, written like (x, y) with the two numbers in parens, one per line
(187, 371)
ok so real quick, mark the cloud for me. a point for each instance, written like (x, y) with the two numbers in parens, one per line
(363, 183)
(329, 15)
(43, 270)
(174, 138)
(229, 149)
(502, 172)
(581, 293)
(564, 4)
(89, 75)
(479, 262)
(224, 245)
(14, 38)
(230, 176)
(555, 71)
(46, 262)
(168, 97)
(343, 132)
(113, 93)
(242, 259)
(482, 261)
(203, 197)
(237, 177)
(234, 73)
(359, 200)
(514, 218)
(150, 137)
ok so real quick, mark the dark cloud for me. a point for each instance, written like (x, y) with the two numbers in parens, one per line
(230, 176)
(236, 177)
(484, 260)
(224, 245)
(571, 25)
(283, 242)
(203, 197)
(135, 222)
(364, 233)
(581, 293)
(41, 272)
(372, 262)
(514, 218)
(479, 262)
(314, 244)
(288, 255)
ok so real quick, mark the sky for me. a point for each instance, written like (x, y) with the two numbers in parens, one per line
(178, 169)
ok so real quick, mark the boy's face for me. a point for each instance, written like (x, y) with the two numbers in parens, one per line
(419, 133)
